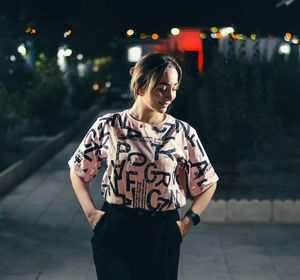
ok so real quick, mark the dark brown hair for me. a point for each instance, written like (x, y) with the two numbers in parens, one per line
(149, 70)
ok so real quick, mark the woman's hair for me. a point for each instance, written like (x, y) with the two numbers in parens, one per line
(149, 70)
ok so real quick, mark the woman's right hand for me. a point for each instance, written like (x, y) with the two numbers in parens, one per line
(94, 217)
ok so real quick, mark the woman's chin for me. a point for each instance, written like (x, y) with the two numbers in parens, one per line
(163, 108)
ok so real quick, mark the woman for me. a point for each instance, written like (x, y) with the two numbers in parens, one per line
(153, 161)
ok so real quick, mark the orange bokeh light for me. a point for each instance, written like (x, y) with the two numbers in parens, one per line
(154, 36)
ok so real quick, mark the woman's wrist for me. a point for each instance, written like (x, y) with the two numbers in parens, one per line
(185, 225)
(187, 221)
(90, 212)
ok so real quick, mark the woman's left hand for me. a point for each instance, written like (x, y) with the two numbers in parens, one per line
(185, 225)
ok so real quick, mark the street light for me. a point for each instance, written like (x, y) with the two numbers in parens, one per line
(134, 53)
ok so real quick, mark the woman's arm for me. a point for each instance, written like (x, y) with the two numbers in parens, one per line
(83, 195)
(199, 204)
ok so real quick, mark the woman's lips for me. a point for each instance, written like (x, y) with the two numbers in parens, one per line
(165, 104)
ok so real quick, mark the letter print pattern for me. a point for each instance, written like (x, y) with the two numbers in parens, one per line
(148, 166)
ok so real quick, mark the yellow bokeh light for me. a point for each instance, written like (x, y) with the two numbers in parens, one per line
(28, 29)
(143, 36)
(214, 29)
(154, 36)
(253, 36)
(203, 35)
(240, 36)
(129, 32)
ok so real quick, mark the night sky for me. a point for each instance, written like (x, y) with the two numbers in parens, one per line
(156, 16)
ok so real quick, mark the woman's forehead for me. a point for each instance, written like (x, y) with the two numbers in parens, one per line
(169, 77)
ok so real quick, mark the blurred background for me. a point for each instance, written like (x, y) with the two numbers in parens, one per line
(240, 88)
(63, 63)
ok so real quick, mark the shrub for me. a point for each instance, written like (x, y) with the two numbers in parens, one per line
(47, 93)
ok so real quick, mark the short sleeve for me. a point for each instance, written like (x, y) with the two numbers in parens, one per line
(200, 173)
(86, 160)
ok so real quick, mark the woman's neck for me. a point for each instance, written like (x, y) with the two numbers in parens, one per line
(145, 114)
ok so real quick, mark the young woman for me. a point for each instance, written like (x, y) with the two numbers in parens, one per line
(153, 161)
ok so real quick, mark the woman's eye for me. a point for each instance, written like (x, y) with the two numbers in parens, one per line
(164, 88)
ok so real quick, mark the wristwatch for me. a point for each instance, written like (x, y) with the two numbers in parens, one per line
(194, 216)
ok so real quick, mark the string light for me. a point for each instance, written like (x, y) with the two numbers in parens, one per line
(216, 33)
(154, 36)
(129, 32)
(143, 36)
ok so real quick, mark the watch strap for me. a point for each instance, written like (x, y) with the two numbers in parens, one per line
(194, 216)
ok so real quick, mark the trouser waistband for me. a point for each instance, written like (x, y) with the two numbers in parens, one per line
(138, 211)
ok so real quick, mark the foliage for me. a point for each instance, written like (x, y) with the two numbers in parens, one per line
(231, 105)
(83, 95)
(47, 93)
(8, 113)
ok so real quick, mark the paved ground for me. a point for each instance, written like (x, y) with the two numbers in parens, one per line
(44, 235)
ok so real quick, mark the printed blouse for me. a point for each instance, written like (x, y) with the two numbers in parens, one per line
(148, 166)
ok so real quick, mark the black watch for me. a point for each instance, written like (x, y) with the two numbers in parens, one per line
(195, 217)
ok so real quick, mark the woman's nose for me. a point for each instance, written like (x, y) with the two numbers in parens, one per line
(170, 95)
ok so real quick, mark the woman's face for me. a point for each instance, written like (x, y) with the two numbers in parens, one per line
(160, 97)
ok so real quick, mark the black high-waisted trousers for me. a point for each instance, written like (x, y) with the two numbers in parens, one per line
(135, 244)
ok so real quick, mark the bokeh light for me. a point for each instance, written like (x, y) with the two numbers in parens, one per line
(154, 36)
(143, 36)
(284, 49)
(134, 53)
(22, 50)
(129, 32)
(203, 35)
(214, 29)
(67, 33)
(96, 87)
(175, 31)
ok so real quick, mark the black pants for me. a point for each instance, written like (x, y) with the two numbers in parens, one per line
(134, 244)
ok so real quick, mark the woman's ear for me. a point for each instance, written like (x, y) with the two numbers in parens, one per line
(141, 91)
(131, 70)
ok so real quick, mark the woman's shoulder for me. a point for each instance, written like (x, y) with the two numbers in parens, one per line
(181, 124)
(107, 116)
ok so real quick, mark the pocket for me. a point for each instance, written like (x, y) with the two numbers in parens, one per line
(99, 222)
(178, 232)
